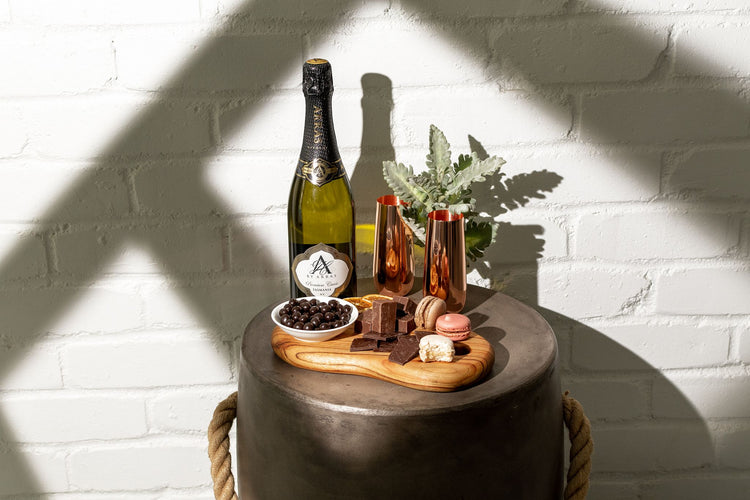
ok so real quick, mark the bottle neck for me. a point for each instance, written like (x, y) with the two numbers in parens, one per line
(320, 137)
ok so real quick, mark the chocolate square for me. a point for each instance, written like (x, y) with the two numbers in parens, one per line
(384, 316)
(422, 333)
(407, 348)
(406, 324)
(361, 344)
(379, 336)
(406, 304)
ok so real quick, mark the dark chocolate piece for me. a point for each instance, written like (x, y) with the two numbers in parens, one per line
(406, 304)
(384, 316)
(422, 333)
(379, 336)
(385, 346)
(361, 326)
(407, 348)
(406, 324)
(361, 344)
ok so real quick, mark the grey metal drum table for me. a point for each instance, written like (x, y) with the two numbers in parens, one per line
(310, 435)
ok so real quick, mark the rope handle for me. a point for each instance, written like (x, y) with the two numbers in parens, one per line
(579, 433)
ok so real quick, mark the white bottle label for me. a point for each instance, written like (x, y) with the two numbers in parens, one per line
(322, 270)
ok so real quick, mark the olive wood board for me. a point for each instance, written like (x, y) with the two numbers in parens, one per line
(473, 361)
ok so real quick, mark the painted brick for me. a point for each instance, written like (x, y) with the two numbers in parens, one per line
(697, 488)
(239, 303)
(526, 239)
(712, 397)
(669, 6)
(480, 111)
(731, 447)
(53, 419)
(139, 467)
(651, 235)
(25, 367)
(185, 411)
(484, 8)
(176, 306)
(266, 123)
(4, 12)
(704, 291)
(598, 50)
(176, 57)
(147, 362)
(138, 126)
(21, 252)
(235, 182)
(586, 293)
(358, 52)
(647, 447)
(96, 309)
(713, 173)
(14, 137)
(610, 399)
(62, 192)
(645, 347)
(744, 346)
(663, 116)
(585, 176)
(713, 49)
(178, 249)
(32, 472)
(94, 12)
(45, 62)
(260, 246)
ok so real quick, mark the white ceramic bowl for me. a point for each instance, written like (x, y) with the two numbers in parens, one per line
(314, 335)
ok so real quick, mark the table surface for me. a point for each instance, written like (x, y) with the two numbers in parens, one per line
(524, 344)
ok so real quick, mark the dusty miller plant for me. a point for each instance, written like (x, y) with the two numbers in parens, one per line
(445, 185)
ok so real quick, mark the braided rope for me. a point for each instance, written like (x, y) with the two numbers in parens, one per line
(579, 432)
(581, 448)
(218, 448)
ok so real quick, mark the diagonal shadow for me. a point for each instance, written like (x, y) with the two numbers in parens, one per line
(106, 192)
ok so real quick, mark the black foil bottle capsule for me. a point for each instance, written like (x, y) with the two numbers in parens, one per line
(320, 212)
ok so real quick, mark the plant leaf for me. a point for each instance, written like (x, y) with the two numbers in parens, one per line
(464, 162)
(439, 158)
(478, 236)
(476, 172)
(400, 179)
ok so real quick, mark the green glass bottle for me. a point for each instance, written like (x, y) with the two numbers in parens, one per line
(321, 210)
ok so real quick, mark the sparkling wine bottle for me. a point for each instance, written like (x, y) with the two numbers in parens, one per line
(320, 210)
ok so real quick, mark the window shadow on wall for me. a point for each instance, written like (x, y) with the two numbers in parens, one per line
(187, 227)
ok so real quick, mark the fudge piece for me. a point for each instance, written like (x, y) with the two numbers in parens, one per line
(406, 305)
(406, 349)
(405, 324)
(384, 316)
(363, 323)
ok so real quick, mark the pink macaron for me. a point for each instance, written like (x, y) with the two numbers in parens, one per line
(454, 326)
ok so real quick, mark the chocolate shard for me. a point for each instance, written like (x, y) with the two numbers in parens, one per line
(379, 336)
(384, 316)
(385, 346)
(406, 304)
(407, 348)
(406, 324)
(361, 344)
(422, 333)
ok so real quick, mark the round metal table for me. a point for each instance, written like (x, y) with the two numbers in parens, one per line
(310, 435)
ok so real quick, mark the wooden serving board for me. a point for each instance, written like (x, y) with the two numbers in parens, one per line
(473, 361)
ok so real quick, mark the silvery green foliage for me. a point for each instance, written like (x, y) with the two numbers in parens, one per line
(444, 185)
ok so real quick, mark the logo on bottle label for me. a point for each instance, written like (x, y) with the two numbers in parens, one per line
(319, 171)
(322, 270)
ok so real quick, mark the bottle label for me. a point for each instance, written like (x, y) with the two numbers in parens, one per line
(319, 171)
(322, 270)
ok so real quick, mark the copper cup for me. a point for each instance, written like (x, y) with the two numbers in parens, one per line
(445, 259)
(393, 255)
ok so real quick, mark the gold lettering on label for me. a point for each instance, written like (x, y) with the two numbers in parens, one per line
(317, 124)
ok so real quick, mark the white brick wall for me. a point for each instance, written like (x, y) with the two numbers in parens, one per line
(145, 157)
